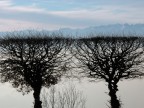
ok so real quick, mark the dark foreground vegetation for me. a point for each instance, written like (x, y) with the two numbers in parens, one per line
(35, 60)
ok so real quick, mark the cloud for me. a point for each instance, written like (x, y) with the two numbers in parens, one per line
(36, 16)
(25, 9)
(15, 25)
(8, 5)
(5, 3)
(105, 13)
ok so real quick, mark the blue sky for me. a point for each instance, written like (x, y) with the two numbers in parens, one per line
(55, 14)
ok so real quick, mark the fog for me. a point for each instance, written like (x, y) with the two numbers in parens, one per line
(130, 93)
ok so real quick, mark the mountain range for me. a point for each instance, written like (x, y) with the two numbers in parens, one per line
(112, 29)
(118, 29)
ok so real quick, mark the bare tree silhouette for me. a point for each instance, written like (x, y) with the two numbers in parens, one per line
(68, 97)
(111, 59)
(30, 62)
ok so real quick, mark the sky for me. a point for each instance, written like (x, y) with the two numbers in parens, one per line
(56, 14)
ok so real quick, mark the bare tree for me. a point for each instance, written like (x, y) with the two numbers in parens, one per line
(68, 97)
(30, 62)
(111, 59)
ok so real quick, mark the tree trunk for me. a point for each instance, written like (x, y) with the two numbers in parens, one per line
(112, 93)
(37, 102)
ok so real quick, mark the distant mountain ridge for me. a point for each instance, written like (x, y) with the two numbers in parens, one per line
(119, 29)
(116, 29)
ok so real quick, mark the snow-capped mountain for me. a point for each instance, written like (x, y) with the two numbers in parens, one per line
(119, 29)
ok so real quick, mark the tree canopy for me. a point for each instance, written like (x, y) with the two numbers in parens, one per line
(111, 59)
(32, 62)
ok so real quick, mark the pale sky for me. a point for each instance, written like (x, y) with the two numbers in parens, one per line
(55, 14)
